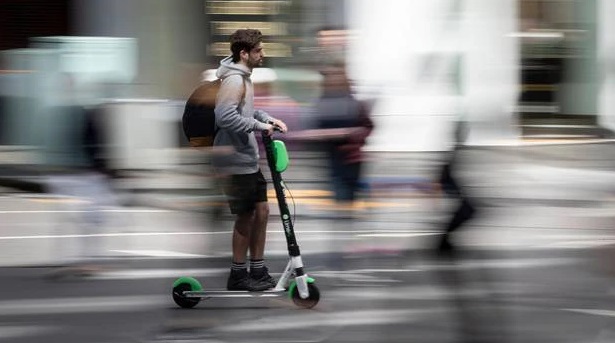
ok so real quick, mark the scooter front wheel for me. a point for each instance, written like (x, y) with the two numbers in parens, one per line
(308, 302)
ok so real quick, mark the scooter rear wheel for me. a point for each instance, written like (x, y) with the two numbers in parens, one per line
(182, 285)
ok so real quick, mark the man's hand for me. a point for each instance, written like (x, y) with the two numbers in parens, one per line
(279, 124)
(269, 130)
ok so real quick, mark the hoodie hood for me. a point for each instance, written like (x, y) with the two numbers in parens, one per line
(228, 68)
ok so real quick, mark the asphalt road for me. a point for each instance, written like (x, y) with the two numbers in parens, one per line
(556, 295)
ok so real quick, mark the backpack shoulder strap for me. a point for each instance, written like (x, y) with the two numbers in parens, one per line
(243, 93)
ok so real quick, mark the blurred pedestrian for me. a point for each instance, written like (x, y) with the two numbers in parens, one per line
(345, 124)
(278, 105)
(449, 182)
(332, 45)
(480, 314)
(79, 172)
(246, 187)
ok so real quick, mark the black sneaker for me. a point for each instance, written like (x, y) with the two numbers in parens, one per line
(239, 280)
(263, 277)
(445, 248)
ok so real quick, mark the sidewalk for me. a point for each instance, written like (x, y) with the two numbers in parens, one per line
(528, 196)
(493, 172)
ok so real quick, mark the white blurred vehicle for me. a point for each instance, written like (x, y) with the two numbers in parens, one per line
(259, 75)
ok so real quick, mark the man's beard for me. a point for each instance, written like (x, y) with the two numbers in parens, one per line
(254, 64)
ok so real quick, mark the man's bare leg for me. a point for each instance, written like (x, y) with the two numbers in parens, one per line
(239, 279)
(242, 232)
(258, 270)
(259, 232)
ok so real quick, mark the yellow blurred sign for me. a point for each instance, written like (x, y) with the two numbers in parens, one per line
(271, 49)
(245, 7)
(226, 28)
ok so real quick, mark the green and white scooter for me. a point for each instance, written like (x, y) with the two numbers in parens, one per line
(188, 292)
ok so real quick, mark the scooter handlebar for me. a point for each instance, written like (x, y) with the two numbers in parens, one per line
(275, 129)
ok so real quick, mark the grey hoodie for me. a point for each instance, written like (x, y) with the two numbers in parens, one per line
(237, 120)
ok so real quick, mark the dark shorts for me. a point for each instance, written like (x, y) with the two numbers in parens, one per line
(244, 191)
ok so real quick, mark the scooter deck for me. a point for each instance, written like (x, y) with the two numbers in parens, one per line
(221, 293)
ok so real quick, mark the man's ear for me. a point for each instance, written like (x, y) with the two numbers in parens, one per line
(244, 55)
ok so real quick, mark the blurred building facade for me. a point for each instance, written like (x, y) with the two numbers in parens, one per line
(515, 69)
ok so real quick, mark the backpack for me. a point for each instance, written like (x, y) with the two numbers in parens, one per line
(199, 118)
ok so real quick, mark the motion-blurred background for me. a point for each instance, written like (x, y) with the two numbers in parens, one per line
(95, 171)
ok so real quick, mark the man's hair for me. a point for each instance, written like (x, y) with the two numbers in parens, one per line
(244, 39)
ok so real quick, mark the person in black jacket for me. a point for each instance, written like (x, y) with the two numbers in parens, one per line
(448, 180)
(337, 108)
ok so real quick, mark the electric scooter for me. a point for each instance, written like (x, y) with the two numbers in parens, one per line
(188, 292)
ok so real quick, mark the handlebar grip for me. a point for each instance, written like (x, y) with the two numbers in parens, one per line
(275, 127)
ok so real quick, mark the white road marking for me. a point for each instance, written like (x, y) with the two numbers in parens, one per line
(159, 253)
(431, 292)
(21, 331)
(82, 211)
(357, 275)
(318, 320)
(150, 273)
(179, 233)
(354, 271)
(82, 305)
(116, 234)
(581, 244)
(138, 274)
(595, 312)
(398, 234)
(502, 263)
(311, 239)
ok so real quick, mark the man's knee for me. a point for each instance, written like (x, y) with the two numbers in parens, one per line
(262, 210)
(244, 223)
